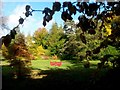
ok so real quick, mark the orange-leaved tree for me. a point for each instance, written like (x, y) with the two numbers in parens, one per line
(18, 56)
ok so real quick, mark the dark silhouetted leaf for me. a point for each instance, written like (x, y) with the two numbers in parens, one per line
(44, 23)
(93, 7)
(47, 11)
(48, 18)
(72, 10)
(28, 13)
(13, 33)
(56, 6)
(21, 20)
(7, 40)
(85, 5)
(65, 4)
(63, 16)
(27, 8)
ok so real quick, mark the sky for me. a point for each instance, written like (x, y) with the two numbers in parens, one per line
(14, 9)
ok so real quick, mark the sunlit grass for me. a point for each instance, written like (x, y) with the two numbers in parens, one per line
(45, 64)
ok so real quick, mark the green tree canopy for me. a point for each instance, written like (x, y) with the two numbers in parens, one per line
(40, 36)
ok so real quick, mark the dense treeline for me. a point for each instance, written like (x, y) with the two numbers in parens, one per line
(67, 43)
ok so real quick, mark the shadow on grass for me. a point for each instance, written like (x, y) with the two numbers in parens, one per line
(72, 78)
(7, 71)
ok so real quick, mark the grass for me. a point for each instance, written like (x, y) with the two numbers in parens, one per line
(70, 75)
(45, 64)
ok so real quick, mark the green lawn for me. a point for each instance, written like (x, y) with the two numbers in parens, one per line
(70, 74)
(68, 68)
(45, 64)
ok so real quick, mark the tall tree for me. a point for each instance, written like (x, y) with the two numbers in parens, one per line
(40, 36)
(56, 39)
(19, 56)
(31, 45)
